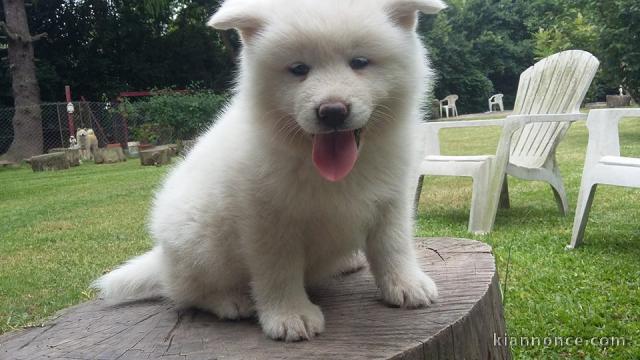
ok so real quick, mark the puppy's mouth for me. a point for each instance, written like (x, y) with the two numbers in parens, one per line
(334, 154)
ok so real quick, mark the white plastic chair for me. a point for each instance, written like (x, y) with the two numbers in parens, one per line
(449, 104)
(497, 101)
(549, 97)
(603, 164)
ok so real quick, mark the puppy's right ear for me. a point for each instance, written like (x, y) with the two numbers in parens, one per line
(404, 12)
(240, 15)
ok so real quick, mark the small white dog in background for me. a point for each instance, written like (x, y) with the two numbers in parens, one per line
(314, 159)
(88, 143)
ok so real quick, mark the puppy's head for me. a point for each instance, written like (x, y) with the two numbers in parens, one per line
(327, 71)
(81, 133)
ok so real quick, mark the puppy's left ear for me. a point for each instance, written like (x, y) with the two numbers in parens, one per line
(405, 12)
(240, 15)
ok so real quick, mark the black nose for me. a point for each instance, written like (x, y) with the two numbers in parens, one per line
(333, 114)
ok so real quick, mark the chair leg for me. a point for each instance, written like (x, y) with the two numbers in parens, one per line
(482, 212)
(416, 199)
(555, 180)
(504, 202)
(561, 198)
(585, 199)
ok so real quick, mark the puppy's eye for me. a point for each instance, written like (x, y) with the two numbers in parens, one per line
(359, 63)
(299, 69)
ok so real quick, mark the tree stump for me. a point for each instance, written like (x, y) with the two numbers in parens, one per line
(6, 163)
(156, 156)
(73, 155)
(184, 146)
(617, 101)
(109, 155)
(461, 325)
(49, 162)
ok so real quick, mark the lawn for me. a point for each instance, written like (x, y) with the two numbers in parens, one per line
(61, 230)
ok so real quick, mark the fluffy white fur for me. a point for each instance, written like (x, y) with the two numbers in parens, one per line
(245, 222)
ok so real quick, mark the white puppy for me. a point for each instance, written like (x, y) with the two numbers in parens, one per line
(313, 160)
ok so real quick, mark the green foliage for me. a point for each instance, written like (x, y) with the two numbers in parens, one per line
(618, 23)
(567, 32)
(479, 48)
(109, 46)
(456, 69)
(169, 116)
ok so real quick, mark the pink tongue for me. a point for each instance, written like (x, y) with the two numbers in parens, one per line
(335, 154)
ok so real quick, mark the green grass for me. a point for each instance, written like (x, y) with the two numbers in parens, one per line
(593, 291)
(58, 231)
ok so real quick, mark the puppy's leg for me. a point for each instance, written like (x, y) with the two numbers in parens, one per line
(352, 264)
(277, 272)
(228, 305)
(207, 288)
(391, 254)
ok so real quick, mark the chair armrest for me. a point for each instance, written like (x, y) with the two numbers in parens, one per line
(540, 118)
(604, 137)
(437, 125)
(431, 131)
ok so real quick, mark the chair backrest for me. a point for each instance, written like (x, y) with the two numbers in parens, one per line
(451, 99)
(555, 85)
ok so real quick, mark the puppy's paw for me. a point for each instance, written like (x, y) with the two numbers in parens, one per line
(231, 306)
(412, 290)
(296, 324)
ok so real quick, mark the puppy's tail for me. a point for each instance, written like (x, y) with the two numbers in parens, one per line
(139, 278)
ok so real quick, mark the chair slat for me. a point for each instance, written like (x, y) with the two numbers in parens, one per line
(555, 85)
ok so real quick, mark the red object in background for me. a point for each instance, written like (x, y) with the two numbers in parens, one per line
(134, 93)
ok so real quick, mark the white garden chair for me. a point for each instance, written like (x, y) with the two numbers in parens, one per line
(449, 104)
(496, 100)
(603, 164)
(549, 97)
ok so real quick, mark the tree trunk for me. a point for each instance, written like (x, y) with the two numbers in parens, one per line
(27, 120)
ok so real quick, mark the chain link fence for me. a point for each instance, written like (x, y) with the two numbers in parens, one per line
(109, 125)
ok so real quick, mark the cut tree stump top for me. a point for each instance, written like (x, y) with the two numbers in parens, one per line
(461, 325)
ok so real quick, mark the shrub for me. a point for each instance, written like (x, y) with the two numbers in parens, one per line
(168, 115)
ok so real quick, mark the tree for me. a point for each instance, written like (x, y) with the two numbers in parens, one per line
(456, 67)
(479, 47)
(618, 23)
(27, 120)
(104, 47)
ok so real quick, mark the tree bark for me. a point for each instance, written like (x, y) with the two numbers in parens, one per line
(27, 120)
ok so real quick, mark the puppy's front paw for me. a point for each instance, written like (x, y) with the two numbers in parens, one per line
(300, 323)
(412, 290)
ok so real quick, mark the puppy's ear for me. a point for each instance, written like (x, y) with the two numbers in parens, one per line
(405, 12)
(240, 15)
